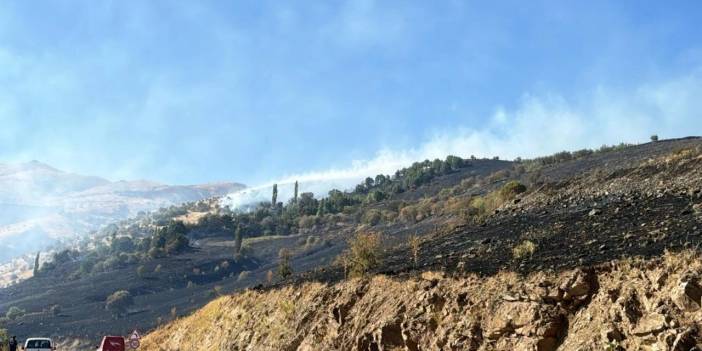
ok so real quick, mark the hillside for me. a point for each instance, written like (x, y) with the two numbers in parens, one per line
(612, 265)
(41, 204)
(495, 233)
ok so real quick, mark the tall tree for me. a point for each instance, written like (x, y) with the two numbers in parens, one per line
(274, 201)
(321, 210)
(237, 240)
(296, 189)
(36, 264)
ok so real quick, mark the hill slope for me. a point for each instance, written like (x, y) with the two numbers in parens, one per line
(611, 265)
(475, 224)
(39, 203)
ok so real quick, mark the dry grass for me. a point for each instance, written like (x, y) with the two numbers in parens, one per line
(524, 249)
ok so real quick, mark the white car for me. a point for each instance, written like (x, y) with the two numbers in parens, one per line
(38, 344)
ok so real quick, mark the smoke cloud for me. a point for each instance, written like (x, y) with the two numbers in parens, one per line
(537, 126)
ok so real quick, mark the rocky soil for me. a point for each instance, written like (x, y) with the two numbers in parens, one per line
(631, 304)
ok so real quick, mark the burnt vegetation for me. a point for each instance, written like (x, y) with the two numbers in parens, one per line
(456, 215)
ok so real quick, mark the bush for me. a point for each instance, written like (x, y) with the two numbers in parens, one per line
(654, 137)
(284, 268)
(512, 189)
(306, 222)
(363, 253)
(408, 213)
(4, 338)
(523, 249)
(119, 301)
(14, 313)
(243, 275)
(371, 217)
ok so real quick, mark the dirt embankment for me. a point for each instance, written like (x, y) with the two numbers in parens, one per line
(624, 305)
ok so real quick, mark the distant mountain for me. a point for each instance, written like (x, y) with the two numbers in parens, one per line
(39, 203)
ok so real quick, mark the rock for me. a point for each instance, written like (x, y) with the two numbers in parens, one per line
(594, 212)
(526, 319)
(577, 285)
(687, 296)
(650, 324)
(510, 298)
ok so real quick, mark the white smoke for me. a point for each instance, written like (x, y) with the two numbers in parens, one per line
(539, 125)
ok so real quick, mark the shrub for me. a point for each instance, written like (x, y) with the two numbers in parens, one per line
(523, 249)
(512, 189)
(408, 213)
(654, 137)
(14, 313)
(371, 217)
(284, 267)
(4, 338)
(119, 301)
(306, 222)
(243, 275)
(363, 253)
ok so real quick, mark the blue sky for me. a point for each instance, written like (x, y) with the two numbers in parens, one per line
(253, 91)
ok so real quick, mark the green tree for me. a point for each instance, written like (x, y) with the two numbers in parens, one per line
(321, 210)
(307, 204)
(274, 200)
(36, 264)
(296, 190)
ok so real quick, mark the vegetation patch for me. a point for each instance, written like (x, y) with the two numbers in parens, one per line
(523, 250)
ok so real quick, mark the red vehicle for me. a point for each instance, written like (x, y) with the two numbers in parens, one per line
(111, 343)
